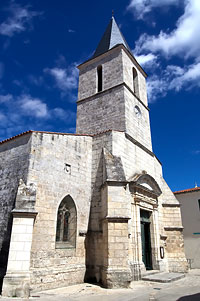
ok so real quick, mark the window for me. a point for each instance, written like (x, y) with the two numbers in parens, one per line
(99, 78)
(199, 203)
(66, 224)
(135, 82)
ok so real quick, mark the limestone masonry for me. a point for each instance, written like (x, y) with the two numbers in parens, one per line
(92, 205)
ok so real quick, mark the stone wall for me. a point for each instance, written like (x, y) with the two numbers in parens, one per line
(135, 159)
(113, 107)
(14, 163)
(191, 223)
(103, 111)
(95, 239)
(60, 165)
(137, 126)
(112, 71)
(128, 66)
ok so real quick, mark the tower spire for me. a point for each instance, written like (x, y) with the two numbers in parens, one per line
(111, 37)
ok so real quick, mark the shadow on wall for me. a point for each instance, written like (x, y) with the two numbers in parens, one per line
(5, 251)
(93, 241)
(195, 297)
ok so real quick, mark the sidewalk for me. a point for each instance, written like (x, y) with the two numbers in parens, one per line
(186, 289)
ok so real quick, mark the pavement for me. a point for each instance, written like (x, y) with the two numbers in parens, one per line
(186, 289)
(163, 277)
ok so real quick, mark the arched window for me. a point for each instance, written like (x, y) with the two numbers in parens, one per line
(99, 79)
(66, 224)
(135, 82)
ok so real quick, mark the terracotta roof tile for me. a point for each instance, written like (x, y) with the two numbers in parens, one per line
(187, 190)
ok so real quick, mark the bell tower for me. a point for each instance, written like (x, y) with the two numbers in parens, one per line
(112, 90)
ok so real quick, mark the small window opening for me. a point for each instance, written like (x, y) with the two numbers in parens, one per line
(99, 78)
(135, 82)
(199, 203)
(66, 224)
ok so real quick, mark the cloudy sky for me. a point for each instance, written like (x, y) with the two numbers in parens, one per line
(42, 42)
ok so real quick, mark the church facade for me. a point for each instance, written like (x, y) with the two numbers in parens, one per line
(92, 205)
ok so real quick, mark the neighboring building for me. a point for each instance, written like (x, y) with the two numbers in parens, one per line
(91, 205)
(190, 211)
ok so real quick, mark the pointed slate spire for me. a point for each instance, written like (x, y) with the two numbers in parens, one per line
(112, 37)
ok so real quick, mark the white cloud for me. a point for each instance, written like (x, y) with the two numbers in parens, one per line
(23, 105)
(156, 87)
(24, 112)
(196, 152)
(20, 17)
(66, 78)
(147, 60)
(32, 106)
(71, 31)
(60, 113)
(66, 115)
(5, 98)
(183, 40)
(188, 78)
(141, 7)
(173, 78)
(18, 83)
(35, 80)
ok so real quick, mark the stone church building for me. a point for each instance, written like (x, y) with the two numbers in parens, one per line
(93, 205)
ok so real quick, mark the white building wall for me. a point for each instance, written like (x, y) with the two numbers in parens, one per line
(190, 212)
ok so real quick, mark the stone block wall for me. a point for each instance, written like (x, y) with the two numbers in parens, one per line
(19, 256)
(128, 66)
(135, 159)
(172, 216)
(113, 107)
(99, 141)
(14, 163)
(137, 126)
(111, 70)
(103, 111)
(175, 251)
(95, 237)
(60, 165)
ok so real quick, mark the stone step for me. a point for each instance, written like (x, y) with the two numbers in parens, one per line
(163, 277)
(150, 272)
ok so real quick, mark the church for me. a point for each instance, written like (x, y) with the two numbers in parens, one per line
(89, 206)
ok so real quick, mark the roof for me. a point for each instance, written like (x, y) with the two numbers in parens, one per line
(111, 37)
(187, 190)
(57, 133)
(42, 132)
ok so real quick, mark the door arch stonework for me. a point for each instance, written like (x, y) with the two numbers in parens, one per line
(145, 192)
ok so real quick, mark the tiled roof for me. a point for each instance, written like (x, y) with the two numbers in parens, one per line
(187, 190)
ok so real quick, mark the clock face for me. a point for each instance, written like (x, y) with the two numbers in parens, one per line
(137, 112)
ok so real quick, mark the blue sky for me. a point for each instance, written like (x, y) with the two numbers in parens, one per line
(42, 42)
